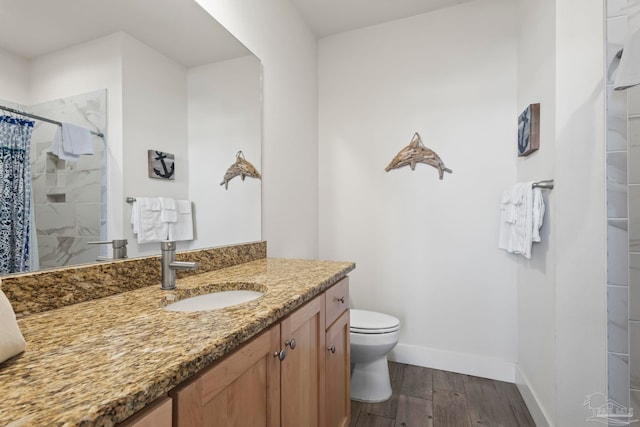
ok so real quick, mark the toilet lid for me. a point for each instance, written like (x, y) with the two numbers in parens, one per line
(371, 322)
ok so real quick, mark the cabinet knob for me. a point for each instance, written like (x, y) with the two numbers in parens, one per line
(280, 354)
(340, 299)
(290, 343)
(332, 349)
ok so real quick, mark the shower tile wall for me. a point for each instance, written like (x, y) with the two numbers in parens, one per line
(623, 212)
(617, 228)
(68, 196)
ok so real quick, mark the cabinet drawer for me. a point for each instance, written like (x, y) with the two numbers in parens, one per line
(337, 301)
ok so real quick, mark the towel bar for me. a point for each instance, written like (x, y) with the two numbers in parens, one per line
(546, 184)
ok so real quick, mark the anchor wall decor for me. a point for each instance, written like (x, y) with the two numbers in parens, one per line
(161, 165)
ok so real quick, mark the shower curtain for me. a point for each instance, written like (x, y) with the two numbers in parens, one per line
(15, 194)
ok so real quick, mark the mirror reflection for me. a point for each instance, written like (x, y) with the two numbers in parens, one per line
(168, 78)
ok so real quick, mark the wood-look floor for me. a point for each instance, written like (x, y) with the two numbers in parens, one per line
(433, 398)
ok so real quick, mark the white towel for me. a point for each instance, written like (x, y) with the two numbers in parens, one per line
(71, 141)
(522, 213)
(58, 149)
(538, 214)
(509, 205)
(11, 339)
(183, 206)
(628, 73)
(146, 220)
(135, 217)
(182, 229)
(76, 139)
(169, 213)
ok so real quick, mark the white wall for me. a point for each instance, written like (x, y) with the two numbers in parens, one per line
(155, 118)
(581, 209)
(275, 33)
(14, 78)
(536, 373)
(426, 250)
(562, 301)
(87, 67)
(225, 116)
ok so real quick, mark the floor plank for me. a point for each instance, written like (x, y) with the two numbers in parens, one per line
(510, 394)
(450, 409)
(417, 382)
(387, 409)
(370, 420)
(486, 406)
(356, 410)
(445, 380)
(395, 369)
(414, 412)
(434, 398)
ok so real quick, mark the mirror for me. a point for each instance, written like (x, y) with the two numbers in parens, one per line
(174, 81)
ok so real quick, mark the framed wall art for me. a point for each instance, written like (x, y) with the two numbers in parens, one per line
(161, 165)
(529, 130)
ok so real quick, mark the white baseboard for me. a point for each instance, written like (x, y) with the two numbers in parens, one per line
(537, 413)
(463, 363)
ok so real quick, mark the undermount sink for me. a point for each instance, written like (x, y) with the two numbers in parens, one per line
(214, 300)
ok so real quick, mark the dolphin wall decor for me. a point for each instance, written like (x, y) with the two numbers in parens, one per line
(416, 152)
(240, 168)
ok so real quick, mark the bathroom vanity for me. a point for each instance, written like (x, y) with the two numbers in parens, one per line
(123, 358)
(295, 373)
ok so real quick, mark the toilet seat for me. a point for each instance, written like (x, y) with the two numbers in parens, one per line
(371, 322)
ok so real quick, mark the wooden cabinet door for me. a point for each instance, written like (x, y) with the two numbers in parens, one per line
(156, 414)
(240, 390)
(302, 370)
(337, 373)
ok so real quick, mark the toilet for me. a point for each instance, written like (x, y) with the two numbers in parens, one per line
(372, 335)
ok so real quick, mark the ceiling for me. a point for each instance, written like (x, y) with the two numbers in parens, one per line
(326, 17)
(176, 28)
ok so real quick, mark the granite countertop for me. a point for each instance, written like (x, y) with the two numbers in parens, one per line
(100, 361)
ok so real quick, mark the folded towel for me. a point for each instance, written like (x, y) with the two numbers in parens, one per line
(538, 214)
(513, 229)
(168, 203)
(148, 203)
(11, 339)
(71, 141)
(184, 206)
(146, 220)
(509, 205)
(522, 213)
(182, 229)
(76, 139)
(169, 213)
(58, 149)
(628, 73)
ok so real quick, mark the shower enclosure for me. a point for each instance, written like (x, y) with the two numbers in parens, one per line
(623, 214)
(69, 197)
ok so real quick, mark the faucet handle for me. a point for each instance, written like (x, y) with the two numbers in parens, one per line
(117, 243)
(119, 247)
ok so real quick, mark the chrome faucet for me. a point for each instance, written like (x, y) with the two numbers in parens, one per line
(119, 248)
(170, 265)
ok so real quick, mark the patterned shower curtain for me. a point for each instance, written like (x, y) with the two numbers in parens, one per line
(15, 194)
